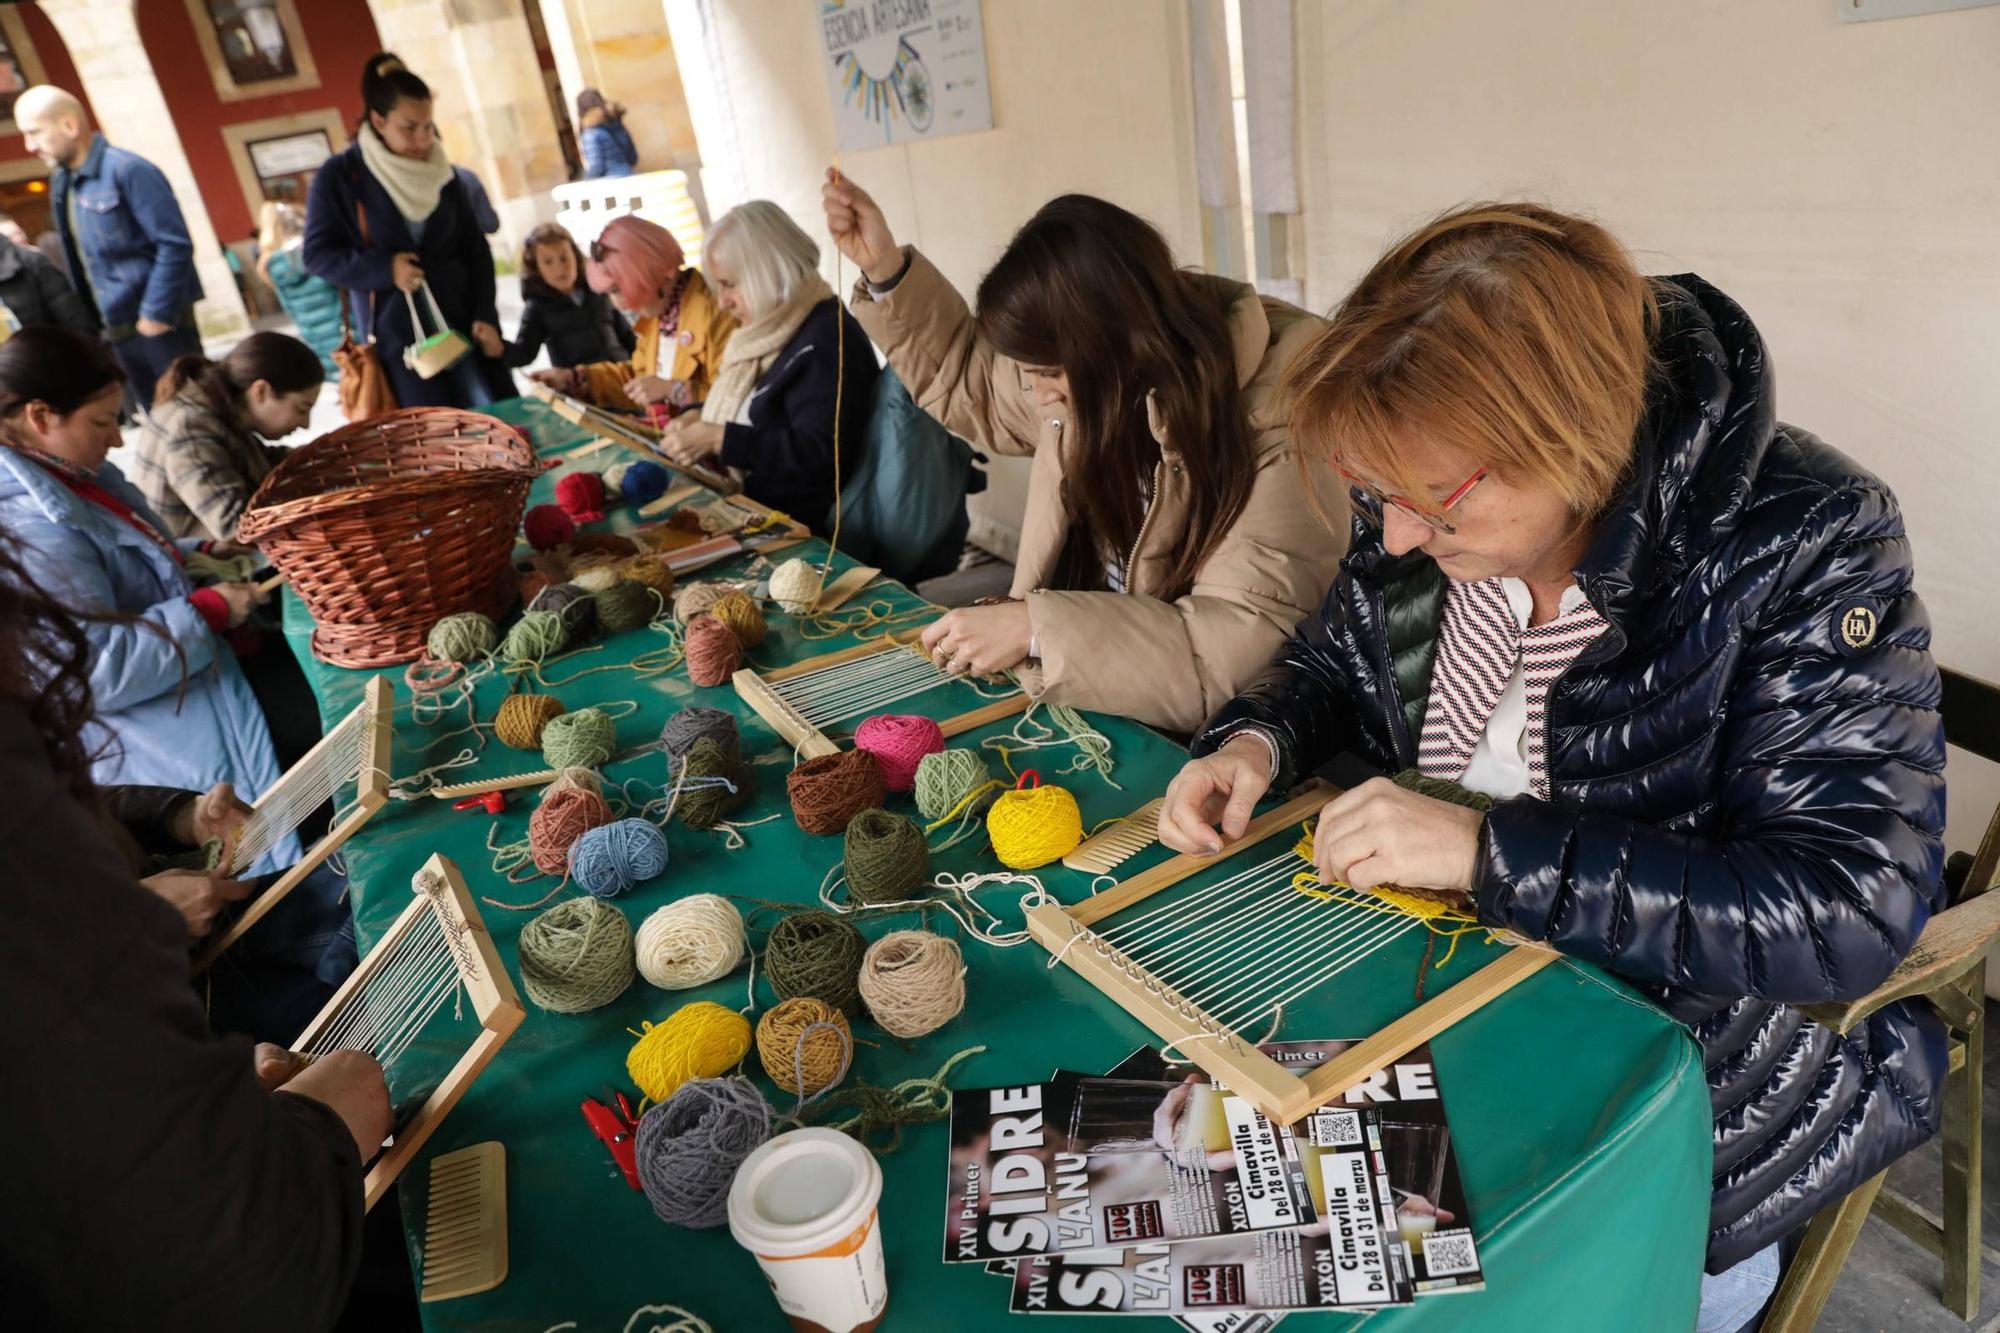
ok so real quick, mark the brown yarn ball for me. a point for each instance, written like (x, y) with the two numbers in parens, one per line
(565, 814)
(664, 537)
(521, 718)
(694, 599)
(713, 652)
(685, 519)
(650, 570)
(739, 610)
(788, 1050)
(828, 791)
(601, 543)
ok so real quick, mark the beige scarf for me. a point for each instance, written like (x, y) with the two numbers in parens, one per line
(414, 184)
(752, 349)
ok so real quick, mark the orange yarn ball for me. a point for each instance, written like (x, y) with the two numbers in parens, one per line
(713, 651)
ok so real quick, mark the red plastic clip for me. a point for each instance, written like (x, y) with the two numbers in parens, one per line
(618, 1129)
(492, 802)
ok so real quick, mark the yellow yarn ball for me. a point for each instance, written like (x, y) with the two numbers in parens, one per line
(738, 610)
(1032, 826)
(699, 1040)
(796, 585)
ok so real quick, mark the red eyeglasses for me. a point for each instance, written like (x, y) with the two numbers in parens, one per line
(1368, 502)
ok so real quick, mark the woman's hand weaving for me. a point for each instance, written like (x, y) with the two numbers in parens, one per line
(980, 640)
(1208, 804)
(216, 813)
(1379, 833)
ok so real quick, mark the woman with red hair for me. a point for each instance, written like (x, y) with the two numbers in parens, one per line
(640, 266)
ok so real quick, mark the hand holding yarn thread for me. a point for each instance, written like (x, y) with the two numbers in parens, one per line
(699, 1040)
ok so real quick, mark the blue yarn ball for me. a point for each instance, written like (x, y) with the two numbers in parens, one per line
(608, 860)
(643, 483)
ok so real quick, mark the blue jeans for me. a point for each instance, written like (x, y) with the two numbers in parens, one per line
(1731, 1299)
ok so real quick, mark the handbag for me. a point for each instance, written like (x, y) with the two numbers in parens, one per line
(364, 386)
(432, 356)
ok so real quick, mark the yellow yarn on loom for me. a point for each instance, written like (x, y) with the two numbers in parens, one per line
(699, 1040)
(1439, 913)
(1032, 826)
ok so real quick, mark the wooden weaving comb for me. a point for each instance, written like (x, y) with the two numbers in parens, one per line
(1102, 852)
(465, 1226)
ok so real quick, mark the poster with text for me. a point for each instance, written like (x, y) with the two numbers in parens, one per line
(901, 71)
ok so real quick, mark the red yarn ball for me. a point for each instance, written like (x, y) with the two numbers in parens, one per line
(563, 816)
(581, 495)
(547, 527)
(899, 743)
(713, 651)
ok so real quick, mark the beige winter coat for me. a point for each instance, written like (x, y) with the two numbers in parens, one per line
(1167, 663)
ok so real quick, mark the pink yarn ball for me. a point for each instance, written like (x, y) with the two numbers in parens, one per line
(899, 743)
(547, 527)
(581, 495)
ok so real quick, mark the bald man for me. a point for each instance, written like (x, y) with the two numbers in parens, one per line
(123, 233)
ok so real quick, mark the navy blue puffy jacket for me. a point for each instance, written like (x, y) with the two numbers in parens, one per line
(1747, 800)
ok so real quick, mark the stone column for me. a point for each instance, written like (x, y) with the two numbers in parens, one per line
(118, 82)
(492, 108)
(622, 49)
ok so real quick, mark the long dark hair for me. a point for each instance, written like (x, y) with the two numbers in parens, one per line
(45, 667)
(279, 359)
(1092, 288)
(386, 80)
(46, 363)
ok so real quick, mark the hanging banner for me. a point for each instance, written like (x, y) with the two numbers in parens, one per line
(901, 71)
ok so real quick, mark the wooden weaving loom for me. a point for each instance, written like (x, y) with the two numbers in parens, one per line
(355, 751)
(628, 431)
(802, 700)
(1271, 945)
(436, 952)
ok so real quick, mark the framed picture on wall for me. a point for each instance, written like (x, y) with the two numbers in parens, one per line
(253, 48)
(276, 158)
(20, 66)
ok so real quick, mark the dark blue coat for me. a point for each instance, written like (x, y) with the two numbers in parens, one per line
(1747, 802)
(458, 266)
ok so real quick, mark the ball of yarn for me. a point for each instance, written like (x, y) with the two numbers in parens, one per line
(739, 610)
(536, 635)
(532, 583)
(522, 717)
(547, 527)
(691, 942)
(614, 477)
(886, 857)
(698, 722)
(573, 605)
(913, 982)
(465, 637)
(828, 791)
(805, 1045)
(690, 1146)
(649, 570)
(713, 651)
(816, 954)
(642, 482)
(946, 778)
(581, 495)
(698, 1040)
(899, 743)
(564, 815)
(583, 739)
(601, 543)
(1032, 826)
(703, 800)
(577, 956)
(795, 585)
(610, 859)
(625, 605)
(598, 577)
(696, 598)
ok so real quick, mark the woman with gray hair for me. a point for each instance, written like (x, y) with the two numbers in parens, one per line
(769, 416)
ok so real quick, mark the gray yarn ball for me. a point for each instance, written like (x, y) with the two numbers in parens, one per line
(691, 1144)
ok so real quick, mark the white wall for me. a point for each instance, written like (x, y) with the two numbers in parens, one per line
(1086, 96)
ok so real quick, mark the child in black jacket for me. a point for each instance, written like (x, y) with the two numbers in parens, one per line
(579, 325)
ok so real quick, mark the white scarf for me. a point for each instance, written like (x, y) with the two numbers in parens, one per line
(751, 350)
(414, 184)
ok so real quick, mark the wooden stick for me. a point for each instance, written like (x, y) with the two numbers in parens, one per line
(676, 495)
(272, 584)
(781, 716)
(838, 593)
(539, 778)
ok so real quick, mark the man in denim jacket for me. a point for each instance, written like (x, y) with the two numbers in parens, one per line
(122, 229)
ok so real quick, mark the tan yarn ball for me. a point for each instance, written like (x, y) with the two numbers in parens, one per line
(913, 982)
(650, 570)
(789, 1050)
(739, 610)
(598, 578)
(796, 585)
(691, 942)
(696, 598)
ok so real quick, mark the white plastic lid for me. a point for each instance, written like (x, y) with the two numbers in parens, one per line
(801, 1192)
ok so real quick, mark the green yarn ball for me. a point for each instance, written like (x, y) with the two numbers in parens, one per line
(535, 636)
(944, 779)
(626, 604)
(585, 738)
(703, 805)
(886, 857)
(465, 637)
(816, 954)
(577, 956)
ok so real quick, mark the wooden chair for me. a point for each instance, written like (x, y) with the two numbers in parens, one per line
(1946, 968)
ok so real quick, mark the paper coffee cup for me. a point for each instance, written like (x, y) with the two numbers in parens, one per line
(804, 1204)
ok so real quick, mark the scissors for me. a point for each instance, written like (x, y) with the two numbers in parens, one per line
(614, 1123)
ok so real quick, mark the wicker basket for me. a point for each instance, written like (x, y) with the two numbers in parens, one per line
(387, 525)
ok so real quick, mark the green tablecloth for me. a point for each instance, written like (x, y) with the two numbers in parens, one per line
(1580, 1111)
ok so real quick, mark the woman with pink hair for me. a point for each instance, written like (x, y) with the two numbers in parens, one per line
(681, 330)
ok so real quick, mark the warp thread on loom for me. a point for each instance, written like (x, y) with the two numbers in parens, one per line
(913, 982)
(651, 571)
(522, 718)
(796, 586)
(817, 954)
(573, 605)
(690, 1145)
(805, 1045)
(696, 598)
(625, 605)
(568, 810)
(699, 1040)
(713, 651)
(641, 483)
(583, 739)
(739, 610)
(691, 942)
(705, 781)
(899, 742)
(887, 860)
(581, 495)
(700, 722)
(828, 791)
(547, 527)
(577, 956)
(536, 635)
(464, 637)
(609, 859)
(1032, 826)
